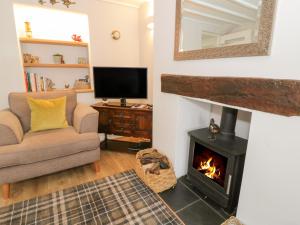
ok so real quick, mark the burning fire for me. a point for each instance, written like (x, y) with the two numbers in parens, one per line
(209, 169)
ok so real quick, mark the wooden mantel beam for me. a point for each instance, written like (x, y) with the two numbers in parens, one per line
(268, 95)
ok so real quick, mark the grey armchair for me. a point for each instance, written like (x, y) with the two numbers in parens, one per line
(25, 155)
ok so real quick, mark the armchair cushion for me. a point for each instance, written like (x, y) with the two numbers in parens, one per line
(47, 114)
(85, 119)
(47, 145)
(11, 131)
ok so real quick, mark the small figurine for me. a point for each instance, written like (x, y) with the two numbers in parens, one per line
(76, 37)
(28, 31)
(49, 84)
(42, 2)
(87, 78)
(213, 129)
(28, 58)
(53, 2)
(68, 3)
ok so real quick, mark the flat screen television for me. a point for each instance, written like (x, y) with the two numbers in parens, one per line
(120, 83)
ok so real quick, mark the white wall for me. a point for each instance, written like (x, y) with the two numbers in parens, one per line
(269, 194)
(146, 44)
(191, 35)
(106, 17)
(11, 75)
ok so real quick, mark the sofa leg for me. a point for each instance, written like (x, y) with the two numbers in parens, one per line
(5, 191)
(97, 167)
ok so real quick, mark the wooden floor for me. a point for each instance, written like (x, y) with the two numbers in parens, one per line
(111, 162)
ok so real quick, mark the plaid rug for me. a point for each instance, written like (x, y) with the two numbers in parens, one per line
(119, 199)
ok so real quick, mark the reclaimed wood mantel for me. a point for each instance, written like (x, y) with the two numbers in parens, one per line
(268, 95)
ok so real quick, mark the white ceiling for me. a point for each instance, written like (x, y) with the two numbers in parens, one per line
(131, 3)
(223, 15)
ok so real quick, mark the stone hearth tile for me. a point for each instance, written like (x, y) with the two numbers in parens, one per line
(217, 208)
(179, 197)
(200, 214)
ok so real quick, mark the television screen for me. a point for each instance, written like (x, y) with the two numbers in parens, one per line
(117, 82)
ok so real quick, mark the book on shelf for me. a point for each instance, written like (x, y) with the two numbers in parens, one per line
(34, 82)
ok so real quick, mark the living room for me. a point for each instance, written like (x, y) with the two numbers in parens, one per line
(251, 94)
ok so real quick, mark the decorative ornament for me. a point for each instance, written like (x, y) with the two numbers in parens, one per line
(213, 129)
(53, 2)
(50, 85)
(42, 2)
(76, 38)
(116, 35)
(28, 31)
(68, 3)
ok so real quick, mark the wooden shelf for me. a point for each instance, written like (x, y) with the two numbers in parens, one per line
(40, 65)
(49, 65)
(84, 90)
(76, 90)
(53, 42)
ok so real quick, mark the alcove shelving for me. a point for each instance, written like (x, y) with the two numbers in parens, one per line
(50, 66)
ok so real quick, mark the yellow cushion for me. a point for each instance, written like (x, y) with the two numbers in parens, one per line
(47, 114)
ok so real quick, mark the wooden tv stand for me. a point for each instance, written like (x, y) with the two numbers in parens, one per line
(124, 121)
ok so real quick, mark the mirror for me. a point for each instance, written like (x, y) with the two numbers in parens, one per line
(223, 28)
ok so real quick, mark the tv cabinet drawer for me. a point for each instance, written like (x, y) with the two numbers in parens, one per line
(144, 134)
(125, 121)
(122, 131)
(118, 125)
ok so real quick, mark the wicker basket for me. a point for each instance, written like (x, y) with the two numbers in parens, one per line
(232, 221)
(158, 183)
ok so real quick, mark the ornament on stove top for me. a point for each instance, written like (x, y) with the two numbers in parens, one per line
(213, 129)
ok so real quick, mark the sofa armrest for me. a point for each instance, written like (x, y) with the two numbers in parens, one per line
(85, 119)
(11, 131)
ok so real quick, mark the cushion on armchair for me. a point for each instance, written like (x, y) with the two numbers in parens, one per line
(47, 114)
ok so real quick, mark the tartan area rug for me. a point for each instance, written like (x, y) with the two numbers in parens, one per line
(119, 199)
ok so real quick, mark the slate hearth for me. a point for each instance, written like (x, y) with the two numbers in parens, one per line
(192, 206)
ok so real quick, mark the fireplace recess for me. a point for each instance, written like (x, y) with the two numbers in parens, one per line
(216, 167)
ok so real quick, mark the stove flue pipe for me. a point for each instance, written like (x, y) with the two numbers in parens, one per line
(228, 122)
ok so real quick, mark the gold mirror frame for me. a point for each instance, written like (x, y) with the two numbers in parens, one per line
(260, 48)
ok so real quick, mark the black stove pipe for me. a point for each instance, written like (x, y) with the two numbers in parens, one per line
(228, 122)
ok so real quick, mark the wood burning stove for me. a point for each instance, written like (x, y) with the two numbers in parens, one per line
(216, 166)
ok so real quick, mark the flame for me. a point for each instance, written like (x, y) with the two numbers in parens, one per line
(209, 170)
